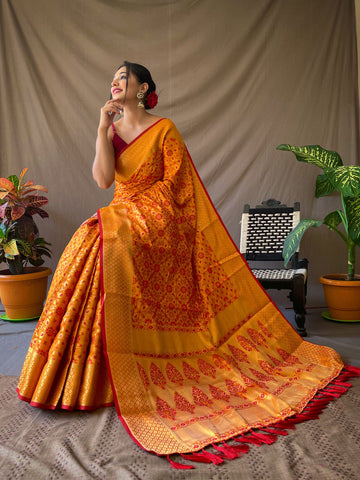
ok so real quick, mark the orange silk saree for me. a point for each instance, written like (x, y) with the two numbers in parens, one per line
(153, 308)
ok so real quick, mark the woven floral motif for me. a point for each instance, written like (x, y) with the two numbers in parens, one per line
(183, 404)
(275, 361)
(143, 376)
(200, 398)
(190, 372)
(164, 409)
(157, 376)
(206, 368)
(219, 394)
(260, 376)
(240, 355)
(245, 343)
(257, 337)
(173, 374)
(249, 382)
(266, 366)
(220, 362)
(235, 388)
(289, 358)
(265, 331)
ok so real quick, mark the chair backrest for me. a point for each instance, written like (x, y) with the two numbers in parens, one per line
(264, 229)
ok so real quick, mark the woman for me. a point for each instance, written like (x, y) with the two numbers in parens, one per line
(152, 306)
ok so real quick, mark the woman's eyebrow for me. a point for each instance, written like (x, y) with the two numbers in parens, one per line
(120, 73)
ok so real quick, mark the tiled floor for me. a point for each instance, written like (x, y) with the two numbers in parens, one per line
(343, 337)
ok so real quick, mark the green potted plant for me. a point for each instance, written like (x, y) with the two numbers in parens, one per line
(342, 291)
(20, 245)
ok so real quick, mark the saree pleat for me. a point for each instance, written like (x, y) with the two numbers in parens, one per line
(153, 307)
(65, 363)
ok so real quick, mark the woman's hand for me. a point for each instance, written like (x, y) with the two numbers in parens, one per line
(108, 112)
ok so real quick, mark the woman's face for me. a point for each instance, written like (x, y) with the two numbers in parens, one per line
(119, 89)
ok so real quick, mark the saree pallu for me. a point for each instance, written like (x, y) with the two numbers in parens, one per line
(152, 307)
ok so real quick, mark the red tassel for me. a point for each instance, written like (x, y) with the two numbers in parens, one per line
(268, 439)
(315, 407)
(241, 448)
(249, 439)
(344, 384)
(335, 389)
(331, 394)
(320, 401)
(307, 416)
(345, 376)
(276, 431)
(288, 424)
(179, 466)
(354, 370)
(196, 457)
(309, 411)
(216, 459)
(299, 418)
(226, 450)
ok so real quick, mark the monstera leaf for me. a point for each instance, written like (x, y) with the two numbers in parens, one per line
(346, 179)
(333, 219)
(292, 241)
(323, 186)
(352, 206)
(314, 154)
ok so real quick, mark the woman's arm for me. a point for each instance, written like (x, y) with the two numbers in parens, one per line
(103, 169)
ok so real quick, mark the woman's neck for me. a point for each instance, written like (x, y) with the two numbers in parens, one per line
(134, 117)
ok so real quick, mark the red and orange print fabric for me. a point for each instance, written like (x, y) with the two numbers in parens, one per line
(152, 306)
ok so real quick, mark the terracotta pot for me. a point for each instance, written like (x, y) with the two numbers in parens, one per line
(23, 295)
(342, 297)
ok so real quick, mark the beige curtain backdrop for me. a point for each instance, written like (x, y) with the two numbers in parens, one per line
(238, 77)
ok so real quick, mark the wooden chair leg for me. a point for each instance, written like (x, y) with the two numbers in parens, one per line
(298, 297)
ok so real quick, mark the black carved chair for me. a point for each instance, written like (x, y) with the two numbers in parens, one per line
(263, 231)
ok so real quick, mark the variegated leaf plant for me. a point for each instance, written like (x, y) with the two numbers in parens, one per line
(336, 177)
(19, 236)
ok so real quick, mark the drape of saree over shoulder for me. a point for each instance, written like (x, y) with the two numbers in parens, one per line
(152, 307)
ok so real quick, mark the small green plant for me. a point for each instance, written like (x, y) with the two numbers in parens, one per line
(20, 243)
(336, 177)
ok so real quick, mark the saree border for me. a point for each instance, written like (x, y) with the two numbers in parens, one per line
(234, 244)
(103, 330)
(136, 138)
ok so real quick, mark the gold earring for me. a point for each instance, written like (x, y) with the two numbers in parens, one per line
(140, 96)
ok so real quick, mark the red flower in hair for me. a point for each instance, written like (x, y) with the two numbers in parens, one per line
(152, 100)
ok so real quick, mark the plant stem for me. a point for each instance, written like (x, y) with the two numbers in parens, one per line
(344, 215)
(15, 266)
(334, 229)
(351, 259)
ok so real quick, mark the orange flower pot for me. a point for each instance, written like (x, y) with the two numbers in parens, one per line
(342, 297)
(23, 295)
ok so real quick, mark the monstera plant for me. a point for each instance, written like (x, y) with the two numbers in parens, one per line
(343, 178)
